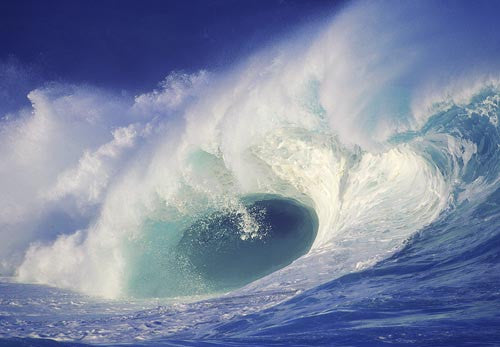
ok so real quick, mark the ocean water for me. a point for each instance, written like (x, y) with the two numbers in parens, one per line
(332, 190)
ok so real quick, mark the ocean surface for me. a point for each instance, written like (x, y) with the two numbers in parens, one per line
(341, 187)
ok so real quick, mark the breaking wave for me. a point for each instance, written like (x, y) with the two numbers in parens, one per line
(313, 159)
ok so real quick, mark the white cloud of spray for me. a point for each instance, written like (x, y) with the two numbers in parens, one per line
(107, 163)
(61, 155)
(87, 181)
(39, 144)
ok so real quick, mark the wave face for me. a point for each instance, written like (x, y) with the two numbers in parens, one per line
(341, 167)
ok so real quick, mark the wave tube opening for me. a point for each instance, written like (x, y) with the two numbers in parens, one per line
(222, 250)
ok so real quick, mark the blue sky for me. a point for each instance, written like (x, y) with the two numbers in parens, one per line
(132, 45)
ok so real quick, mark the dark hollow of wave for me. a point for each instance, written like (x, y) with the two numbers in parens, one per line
(216, 253)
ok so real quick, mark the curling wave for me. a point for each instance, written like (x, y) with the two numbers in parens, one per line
(261, 174)
(202, 233)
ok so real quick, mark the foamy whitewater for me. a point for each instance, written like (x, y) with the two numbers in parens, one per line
(340, 187)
